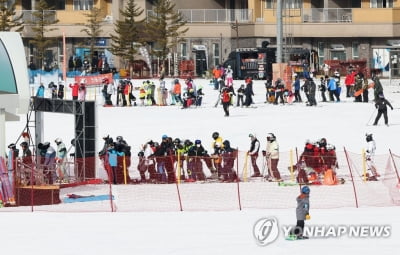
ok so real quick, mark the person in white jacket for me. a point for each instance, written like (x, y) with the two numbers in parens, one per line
(273, 158)
(369, 157)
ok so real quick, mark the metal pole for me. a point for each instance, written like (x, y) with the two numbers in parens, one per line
(279, 31)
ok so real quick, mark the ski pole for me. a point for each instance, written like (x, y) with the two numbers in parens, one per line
(369, 120)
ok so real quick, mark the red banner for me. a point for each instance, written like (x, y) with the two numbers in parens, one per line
(94, 80)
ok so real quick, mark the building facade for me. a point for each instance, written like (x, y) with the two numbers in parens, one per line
(338, 30)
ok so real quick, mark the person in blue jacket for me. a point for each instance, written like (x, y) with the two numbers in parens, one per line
(113, 160)
(40, 91)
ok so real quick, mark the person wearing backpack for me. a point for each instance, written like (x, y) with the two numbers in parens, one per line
(226, 100)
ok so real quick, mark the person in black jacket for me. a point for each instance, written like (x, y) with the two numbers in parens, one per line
(381, 104)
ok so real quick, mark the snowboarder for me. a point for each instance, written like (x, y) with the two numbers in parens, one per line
(61, 154)
(369, 157)
(253, 153)
(381, 104)
(302, 214)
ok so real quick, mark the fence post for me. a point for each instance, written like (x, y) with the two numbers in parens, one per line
(394, 165)
(179, 196)
(351, 175)
(237, 179)
(364, 165)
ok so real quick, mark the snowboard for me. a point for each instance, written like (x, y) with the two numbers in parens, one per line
(360, 91)
(295, 238)
(285, 184)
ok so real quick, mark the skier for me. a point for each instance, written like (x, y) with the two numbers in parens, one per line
(240, 93)
(302, 214)
(369, 157)
(322, 88)
(229, 76)
(253, 153)
(378, 89)
(381, 104)
(226, 100)
(296, 85)
(273, 158)
(248, 92)
(279, 88)
(195, 154)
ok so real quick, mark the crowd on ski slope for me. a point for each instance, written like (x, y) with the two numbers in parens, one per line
(188, 93)
(158, 161)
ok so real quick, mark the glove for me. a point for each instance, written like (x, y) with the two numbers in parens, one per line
(264, 153)
(308, 217)
(392, 108)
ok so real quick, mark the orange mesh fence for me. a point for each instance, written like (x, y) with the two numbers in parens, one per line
(204, 183)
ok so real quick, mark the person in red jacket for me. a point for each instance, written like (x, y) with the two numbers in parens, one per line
(75, 90)
(349, 82)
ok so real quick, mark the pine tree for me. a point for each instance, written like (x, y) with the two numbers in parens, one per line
(93, 28)
(124, 43)
(42, 18)
(8, 19)
(163, 28)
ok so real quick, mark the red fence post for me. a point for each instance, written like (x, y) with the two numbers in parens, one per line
(351, 175)
(238, 179)
(179, 196)
(394, 165)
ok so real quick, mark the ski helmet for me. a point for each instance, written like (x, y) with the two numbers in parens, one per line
(226, 144)
(187, 142)
(368, 137)
(271, 137)
(119, 138)
(164, 137)
(11, 146)
(381, 95)
(215, 135)
(177, 141)
(24, 144)
(58, 140)
(197, 141)
(305, 190)
(322, 142)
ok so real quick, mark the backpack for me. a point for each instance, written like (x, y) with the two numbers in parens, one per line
(226, 97)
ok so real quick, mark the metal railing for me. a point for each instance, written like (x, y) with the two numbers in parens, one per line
(215, 15)
(327, 15)
(51, 15)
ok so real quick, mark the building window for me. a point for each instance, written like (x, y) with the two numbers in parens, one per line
(321, 52)
(381, 3)
(293, 4)
(57, 4)
(216, 59)
(183, 51)
(354, 48)
(269, 4)
(83, 5)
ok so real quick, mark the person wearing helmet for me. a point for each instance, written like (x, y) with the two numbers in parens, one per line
(253, 153)
(49, 162)
(229, 76)
(228, 155)
(382, 104)
(302, 214)
(195, 165)
(104, 82)
(378, 89)
(369, 157)
(26, 165)
(272, 152)
(61, 154)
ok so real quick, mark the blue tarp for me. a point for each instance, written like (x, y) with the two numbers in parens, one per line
(87, 198)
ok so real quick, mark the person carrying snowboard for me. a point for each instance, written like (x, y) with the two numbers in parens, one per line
(369, 157)
(302, 214)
